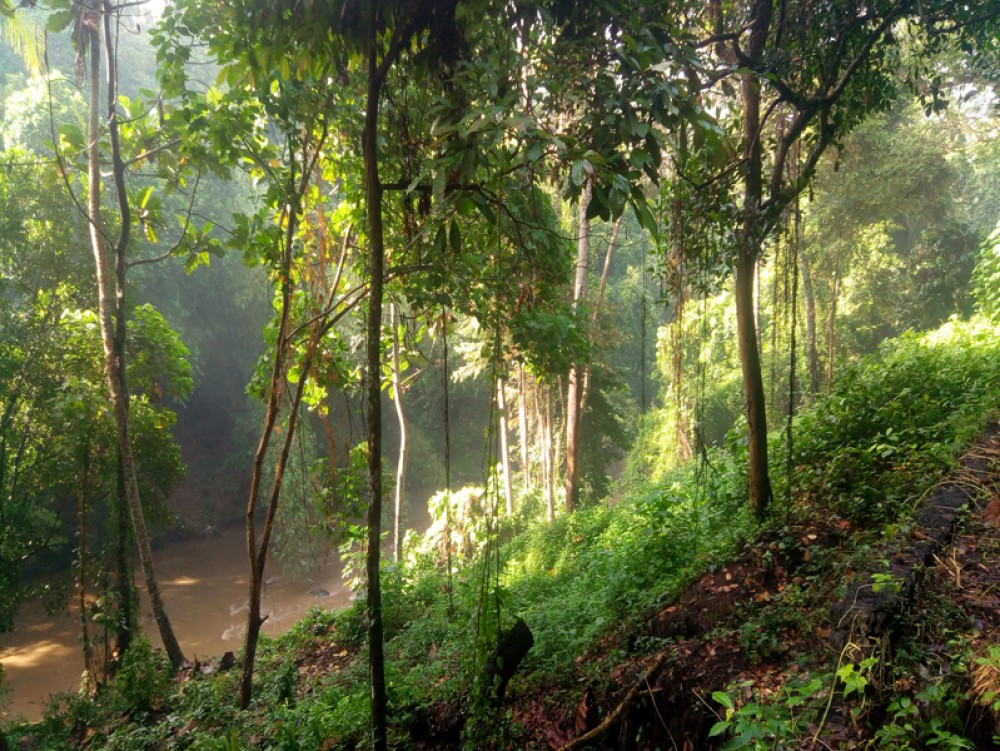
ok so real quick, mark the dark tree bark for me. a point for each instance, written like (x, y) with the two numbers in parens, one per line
(748, 254)
(376, 257)
(126, 593)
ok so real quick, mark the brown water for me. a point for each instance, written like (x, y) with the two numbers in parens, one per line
(204, 585)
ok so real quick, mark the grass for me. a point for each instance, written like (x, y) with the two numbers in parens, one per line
(889, 428)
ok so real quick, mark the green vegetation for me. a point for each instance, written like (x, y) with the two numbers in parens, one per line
(671, 312)
(591, 577)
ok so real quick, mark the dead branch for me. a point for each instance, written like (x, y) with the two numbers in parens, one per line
(615, 715)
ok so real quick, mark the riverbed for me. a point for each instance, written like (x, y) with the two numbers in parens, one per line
(204, 584)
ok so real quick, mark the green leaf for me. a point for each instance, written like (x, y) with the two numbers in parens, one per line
(440, 183)
(722, 698)
(455, 238)
(719, 728)
(59, 21)
(579, 171)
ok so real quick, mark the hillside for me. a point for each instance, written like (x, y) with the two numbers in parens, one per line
(861, 614)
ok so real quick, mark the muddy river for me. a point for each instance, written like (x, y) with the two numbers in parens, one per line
(204, 585)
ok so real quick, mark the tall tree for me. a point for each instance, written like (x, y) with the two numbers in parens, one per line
(93, 23)
(574, 390)
(807, 76)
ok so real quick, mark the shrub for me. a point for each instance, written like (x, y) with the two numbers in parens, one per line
(143, 682)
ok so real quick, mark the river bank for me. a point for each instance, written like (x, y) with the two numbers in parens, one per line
(204, 584)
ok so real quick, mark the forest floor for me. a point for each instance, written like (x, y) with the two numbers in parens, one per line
(821, 634)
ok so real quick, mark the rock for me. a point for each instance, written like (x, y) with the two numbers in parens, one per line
(320, 592)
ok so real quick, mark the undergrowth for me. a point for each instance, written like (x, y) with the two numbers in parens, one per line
(893, 423)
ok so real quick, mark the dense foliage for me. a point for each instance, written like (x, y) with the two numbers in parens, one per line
(641, 285)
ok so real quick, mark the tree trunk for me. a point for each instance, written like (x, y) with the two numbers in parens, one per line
(373, 199)
(508, 490)
(82, 489)
(759, 484)
(575, 387)
(643, 326)
(254, 621)
(257, 549)
(831, 330)
(126, 596)
(598, 302)
(812, 352)
(397, 398)
(522, 428)
(548, 457)
(111, 309)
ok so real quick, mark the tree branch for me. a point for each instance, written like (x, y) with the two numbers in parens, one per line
(618, 711)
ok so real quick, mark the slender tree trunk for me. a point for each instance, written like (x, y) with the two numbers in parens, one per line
(522, 428)
(831, 330)
(595, 311)
(82, 489)
(508, 490)
(254, 620)
(575, 387)
(111, 307)
(812, 352)
(539, 434)
(373, 198)
(257, 548)
(746, 268)
(126, 594)
(643, 326)
(557, 397)
(548, 457)
(397, 398)
(683, 450)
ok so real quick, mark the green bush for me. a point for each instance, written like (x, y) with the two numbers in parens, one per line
(143, 682)
(896, 419)
(986, 277)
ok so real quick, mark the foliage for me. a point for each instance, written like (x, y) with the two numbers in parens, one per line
(143, 680)
(987, 277)
(898, 418)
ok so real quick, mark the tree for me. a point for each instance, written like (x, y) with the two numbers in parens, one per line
(806, 78)
(92, 28)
